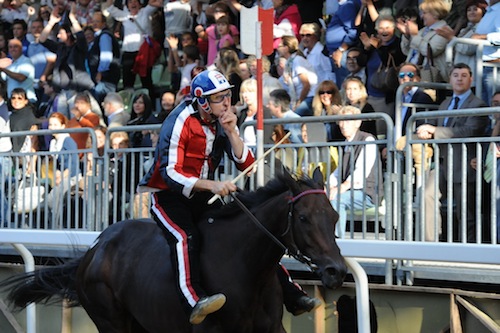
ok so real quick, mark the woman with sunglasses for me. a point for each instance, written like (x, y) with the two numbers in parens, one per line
(22, 116)
(327, 102)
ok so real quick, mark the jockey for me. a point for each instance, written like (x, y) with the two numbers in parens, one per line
(192, 141)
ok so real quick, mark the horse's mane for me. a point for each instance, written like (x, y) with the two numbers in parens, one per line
(276, 186)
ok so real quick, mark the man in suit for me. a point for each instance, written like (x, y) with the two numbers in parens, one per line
(114, 110)
(448, 128)
(409, 72)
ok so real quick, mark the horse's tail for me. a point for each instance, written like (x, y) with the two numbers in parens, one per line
(47, 285)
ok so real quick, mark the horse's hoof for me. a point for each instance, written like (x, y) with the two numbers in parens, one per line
(305, 304)
(206, 306)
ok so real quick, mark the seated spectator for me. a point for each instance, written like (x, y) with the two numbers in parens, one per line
(18, 72)
(279, 105)
(14, 10)
(142, 113)
(356, 63)
(269, 82)
(114, 110)
(66, 163)
(228, 63)
(327, 102)
(22, 116)
(315, 52)
(5, 142)
(167, 104)
(19, 32)
(248, 110)
(357, 184)
(299, 76)
(355, 95)
(82, 117)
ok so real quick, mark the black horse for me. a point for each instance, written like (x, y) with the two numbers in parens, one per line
(125, 281)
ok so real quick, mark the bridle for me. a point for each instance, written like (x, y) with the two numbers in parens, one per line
(293, 252)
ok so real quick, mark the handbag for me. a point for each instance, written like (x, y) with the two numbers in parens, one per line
(28, 195)
(429, 72)
(386, 77)
(147, 55)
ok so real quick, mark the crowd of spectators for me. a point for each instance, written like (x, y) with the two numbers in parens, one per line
(75, 58)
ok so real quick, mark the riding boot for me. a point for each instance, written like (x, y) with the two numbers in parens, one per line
(206, 306)
(295, 299)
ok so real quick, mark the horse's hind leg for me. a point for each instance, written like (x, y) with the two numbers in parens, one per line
(104, 310)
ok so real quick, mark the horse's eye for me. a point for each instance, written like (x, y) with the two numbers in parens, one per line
(303, 218)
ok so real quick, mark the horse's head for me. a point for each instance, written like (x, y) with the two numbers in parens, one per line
(312, 228)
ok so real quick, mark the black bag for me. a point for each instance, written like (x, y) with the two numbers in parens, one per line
(429, 72)
(386, 77)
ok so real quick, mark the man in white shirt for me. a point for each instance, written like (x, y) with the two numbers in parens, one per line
(18, 72)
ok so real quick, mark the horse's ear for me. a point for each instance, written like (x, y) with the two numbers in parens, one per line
(318, 177)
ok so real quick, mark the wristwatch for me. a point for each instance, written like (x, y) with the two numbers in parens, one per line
(341, 49)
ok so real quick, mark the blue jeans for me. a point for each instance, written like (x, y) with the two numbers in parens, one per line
(351, 199)
(305, 107)
(489, 84)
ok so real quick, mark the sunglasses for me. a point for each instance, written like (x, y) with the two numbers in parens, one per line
(411, 75)
(220, 98)
(305, 35)
(329, 92)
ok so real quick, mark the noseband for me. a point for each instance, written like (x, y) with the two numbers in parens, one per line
(295, 252)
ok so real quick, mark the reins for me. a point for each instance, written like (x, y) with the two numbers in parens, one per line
(291, 200)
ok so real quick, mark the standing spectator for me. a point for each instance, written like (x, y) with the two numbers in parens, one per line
(279, 105)
(14, 10)
(114, 109)
(85, 11)
(103, 58)
(489, 29)
(287, 20)
(454, 127)
(356, 95)
(20, 72)
(22, 116)
(136, 22)
(416, 43)
(224, 33)
(358, 183)
(299, 76)
(69, 72)
(379, 49)
(327, 102)
(19, 31)
(42, 59)
(466, 53)
(178, 19)
(342, 33)
(315, 52)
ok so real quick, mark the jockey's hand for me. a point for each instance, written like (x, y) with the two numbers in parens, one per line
(223, 188)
